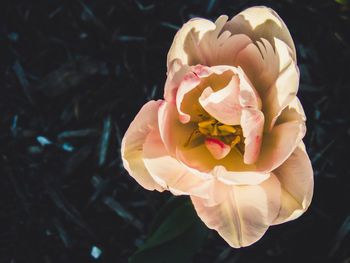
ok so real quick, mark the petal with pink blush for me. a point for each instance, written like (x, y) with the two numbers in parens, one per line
(144, 123)
(175, 74)
(223, 104)
(189, 82)
(296, 178)
(252, 123)
(246, 213)
(217, 148)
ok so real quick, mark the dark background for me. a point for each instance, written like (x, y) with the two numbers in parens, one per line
(88, 67)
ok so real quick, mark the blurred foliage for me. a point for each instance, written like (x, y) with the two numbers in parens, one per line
(343, 2)
(176, 234)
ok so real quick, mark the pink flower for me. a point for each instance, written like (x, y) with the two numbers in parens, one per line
(229, 130)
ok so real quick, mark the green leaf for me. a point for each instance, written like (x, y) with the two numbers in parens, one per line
(164, 212)
(177, 237)
(343, 2)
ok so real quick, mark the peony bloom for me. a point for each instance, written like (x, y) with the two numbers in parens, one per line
(229, 130)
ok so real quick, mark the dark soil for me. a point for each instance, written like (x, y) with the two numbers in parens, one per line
(75, 73)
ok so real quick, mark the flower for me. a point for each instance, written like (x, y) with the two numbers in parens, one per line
(229, 130)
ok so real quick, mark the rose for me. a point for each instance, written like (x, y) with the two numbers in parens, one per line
(229, 130)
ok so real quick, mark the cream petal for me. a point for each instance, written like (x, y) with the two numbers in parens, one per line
(172, 175)
(246, 213)
(260, 22)
(252, 122)
(201, 41)
(279, 144)
(296, 178)
(185, 46)
(285, 87)
(132, 144)
(252, 63)
(293, 112)
(225, 51)
(239, 178)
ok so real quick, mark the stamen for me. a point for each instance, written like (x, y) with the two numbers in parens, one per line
(193, 135)
(235, 141)
(215, 131)
(226, 129)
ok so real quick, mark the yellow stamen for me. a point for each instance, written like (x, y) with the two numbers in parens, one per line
(226, 129)
(235, 141)
(215, 131)
(206, 124)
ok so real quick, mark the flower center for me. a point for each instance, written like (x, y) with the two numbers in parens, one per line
(230, 135)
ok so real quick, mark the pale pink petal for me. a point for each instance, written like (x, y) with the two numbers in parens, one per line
(248, 96)
(190, 81)
(260, 22)
(193, 84)
(246, 213)
(175, 75)
(223, 105)
(252, 123)
(144, 123)
(226, 104)
(172, 131)
(217, 148)
(279, 144)
(296, 178)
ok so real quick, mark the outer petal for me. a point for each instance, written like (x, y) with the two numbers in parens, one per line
(172, 175)
(245, 215)
(284, 137)
(284, 88)
(279, 144)
(186, 41)
(132, 144)
(296, 178)
(201, 41)
(260, 22)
